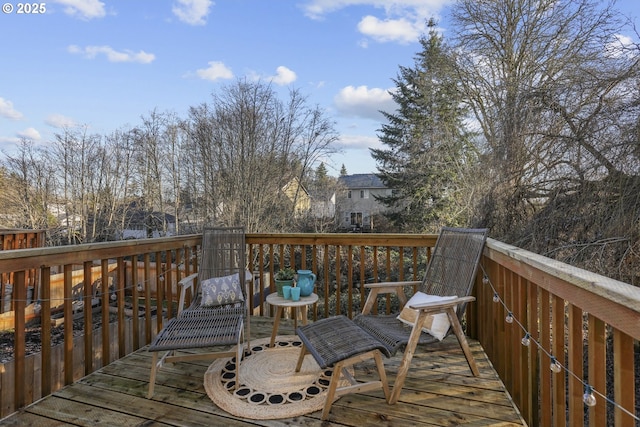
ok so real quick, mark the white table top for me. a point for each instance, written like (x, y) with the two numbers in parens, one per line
(276, 300)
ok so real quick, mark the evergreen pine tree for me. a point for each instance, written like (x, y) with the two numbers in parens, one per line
(427, 146)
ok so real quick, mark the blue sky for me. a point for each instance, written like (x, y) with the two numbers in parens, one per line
(103, 64)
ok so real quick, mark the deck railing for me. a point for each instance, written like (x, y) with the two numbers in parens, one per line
(590, 324)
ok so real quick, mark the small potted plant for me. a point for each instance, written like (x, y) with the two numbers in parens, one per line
(284, 277)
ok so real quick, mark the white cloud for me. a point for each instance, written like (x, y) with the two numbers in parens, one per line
(192, 12)
(29, 133)
(9, 140)
(84, 9)
(283, 76)
(113, 55)
(59, 121)
(387, 30)
(358, 142)
(364, 102)
(216, 70)
(403, 21)
(621, 46)
(7, 110)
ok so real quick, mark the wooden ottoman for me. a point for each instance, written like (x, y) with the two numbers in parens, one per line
(338, 342)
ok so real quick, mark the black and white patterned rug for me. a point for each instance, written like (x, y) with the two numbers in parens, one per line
(269, 386)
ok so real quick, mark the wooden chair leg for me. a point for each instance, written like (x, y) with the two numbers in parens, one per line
(239, 357)
(331, 392)
(409, 350)
(462, 339)
(152, 377)
(303, 352)
(383, 375)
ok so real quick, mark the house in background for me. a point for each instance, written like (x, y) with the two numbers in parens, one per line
(298, 195)
(323, 205)
(142, 224)
(356, 204)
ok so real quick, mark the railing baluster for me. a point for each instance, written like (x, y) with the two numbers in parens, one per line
(350, 280)
(146, 287)
(168, 283)
(87, 311)
(19, 304)
(104, 305)
(45, 322)
(597, 367)
(120, 294)
(558, 346)
(135, 316)
(546, 397)
(575, 364)
(68, 324)
(624, 387)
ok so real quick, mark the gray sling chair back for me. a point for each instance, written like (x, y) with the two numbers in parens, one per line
(451, 272)
(219, 308)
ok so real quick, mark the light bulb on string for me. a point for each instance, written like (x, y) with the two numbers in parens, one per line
(588, 398)
(555, 366)
(161, 277)
(526, 340)
(485, 280)
(496, 297)
(509, 318)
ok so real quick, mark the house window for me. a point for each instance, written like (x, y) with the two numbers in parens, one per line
(349, 194)
(356, 219)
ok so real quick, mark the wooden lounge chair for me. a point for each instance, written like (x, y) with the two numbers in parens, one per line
(219, 309)
(451, 272)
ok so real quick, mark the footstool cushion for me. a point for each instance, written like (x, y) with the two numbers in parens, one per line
(337, 338)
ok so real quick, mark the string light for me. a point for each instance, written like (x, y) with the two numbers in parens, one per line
(509, 318)
(589, 397)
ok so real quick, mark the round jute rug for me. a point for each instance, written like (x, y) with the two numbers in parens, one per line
(270, 388)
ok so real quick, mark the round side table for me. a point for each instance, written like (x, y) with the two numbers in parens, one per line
(281, 303)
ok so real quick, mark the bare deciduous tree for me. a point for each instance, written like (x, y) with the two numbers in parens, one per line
(250, 145)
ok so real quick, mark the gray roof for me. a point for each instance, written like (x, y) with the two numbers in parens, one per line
(361, 180)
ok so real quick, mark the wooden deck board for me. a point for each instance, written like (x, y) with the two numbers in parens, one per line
(439, 391)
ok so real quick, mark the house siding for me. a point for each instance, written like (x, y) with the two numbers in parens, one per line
(356, 203)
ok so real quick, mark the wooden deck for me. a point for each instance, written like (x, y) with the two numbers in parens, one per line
(439, 391)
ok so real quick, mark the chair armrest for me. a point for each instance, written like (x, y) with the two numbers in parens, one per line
(442, 305)
(390, 284)
(185, 284)
(383, 288)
